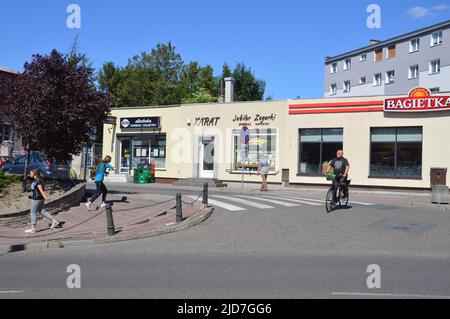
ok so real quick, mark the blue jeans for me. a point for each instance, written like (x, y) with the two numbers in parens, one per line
(38, 206)
(100, 190)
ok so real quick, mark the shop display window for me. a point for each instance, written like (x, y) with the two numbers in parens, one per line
(396, 152)
(262, 142)
(317, 148)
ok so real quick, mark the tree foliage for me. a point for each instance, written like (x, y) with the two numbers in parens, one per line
(161, 77)
(54, 105)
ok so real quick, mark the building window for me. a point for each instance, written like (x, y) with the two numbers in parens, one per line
(414, 71)
(377, 79)
(5, 133)
(435, 90)
(346, 86)
(414, 45)
(317, 148)
(390, 77)
(142, 150)
(435, 66)
(396, 152)
(436, 38)
(391, 52)
(362, 80)
(333, 89)
(262, 142)
(333, 68)
(378, 55)
(363, 57)
(347, 64)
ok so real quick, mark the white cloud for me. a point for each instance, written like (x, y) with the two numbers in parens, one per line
(420, 12)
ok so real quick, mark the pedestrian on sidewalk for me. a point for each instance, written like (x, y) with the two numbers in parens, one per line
(99, 184)
(263, 170)
(38, 199)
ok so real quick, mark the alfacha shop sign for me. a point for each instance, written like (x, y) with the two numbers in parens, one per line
(140, 122)
(419, 100)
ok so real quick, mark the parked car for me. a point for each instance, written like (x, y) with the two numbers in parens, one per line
(35, 161)
(4, 160)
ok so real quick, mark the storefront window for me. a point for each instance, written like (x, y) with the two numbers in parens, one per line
(317, 148)
(143, 150)
(396, 152)
(262, 142)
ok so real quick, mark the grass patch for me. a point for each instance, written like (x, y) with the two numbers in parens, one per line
(6, 180)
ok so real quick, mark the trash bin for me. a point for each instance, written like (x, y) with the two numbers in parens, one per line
(439, 188)
(438, 176)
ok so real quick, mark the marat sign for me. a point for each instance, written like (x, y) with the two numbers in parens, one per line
(419, 100)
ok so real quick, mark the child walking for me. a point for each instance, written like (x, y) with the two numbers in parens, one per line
(99, 178)
(38, 200)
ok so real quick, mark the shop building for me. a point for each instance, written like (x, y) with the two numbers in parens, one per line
(390, 141)
(394, 66)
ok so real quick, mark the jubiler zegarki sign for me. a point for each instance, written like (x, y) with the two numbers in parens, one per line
(419, 100)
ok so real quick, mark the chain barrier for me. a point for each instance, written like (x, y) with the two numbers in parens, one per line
(92, 217)
(193, 202)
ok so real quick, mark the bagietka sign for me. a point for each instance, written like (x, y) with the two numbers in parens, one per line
(419, 100)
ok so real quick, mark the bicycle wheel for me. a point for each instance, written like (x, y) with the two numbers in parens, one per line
(343, 202)
(329, 201)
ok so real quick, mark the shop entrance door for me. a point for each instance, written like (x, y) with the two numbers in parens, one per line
(125, 156)
(206, 169)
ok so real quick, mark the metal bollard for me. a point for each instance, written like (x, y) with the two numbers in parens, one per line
(205, 195)
(179, 212)
(110, 220)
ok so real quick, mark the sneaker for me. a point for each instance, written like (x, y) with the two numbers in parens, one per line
(54, 224)
(103, 205)
(30, 231)
(88, 205)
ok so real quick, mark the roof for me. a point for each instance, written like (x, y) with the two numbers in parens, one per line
(6, 70)
(384, 43)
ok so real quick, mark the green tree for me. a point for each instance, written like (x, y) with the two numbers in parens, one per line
(246, 86)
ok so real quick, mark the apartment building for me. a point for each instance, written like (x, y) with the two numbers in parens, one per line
(8, 141)
(394, 66)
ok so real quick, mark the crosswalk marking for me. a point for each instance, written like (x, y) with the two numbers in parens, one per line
(268, 200)
(226, 206)
(295, 200)
(322, 201)
(243, 201)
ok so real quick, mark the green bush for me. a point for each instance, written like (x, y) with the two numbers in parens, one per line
(6, 180)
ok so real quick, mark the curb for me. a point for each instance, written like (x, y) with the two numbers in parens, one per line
(163, 230)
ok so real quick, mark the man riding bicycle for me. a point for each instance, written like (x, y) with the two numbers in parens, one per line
(341, 167)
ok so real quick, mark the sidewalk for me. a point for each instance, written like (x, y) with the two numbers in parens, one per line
(136, 216)
(384, 197)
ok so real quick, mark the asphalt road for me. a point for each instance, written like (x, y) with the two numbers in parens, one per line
(279, 252)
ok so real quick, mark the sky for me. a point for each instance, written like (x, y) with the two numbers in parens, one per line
(284, 42)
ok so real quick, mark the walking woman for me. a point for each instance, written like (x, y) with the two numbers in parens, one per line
(99, 178)
(263, 170)
(38, 200)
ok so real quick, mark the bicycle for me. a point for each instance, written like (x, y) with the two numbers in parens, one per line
(336, 196)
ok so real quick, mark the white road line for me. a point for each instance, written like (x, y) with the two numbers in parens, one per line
(268, 200)
(217, 203)
(11, 292)
(388, 295)
(362, 203)
(295, 200)
(323, 201)
(243, 201)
